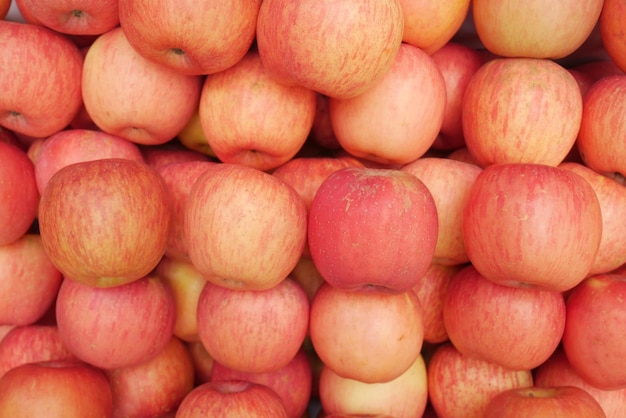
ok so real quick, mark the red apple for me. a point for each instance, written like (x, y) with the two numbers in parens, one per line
(40, 79)
(337, 48)
(18, 189)
(322, 130)
(262, 130)
(233, 398)
(245, 229)
(368, 335)
(460, 386)
(9, 137)
(158, 156)
(5, 6)
(558, 401)
(253, 330)
(202, 362)
(521, 110)
(398, 118)
(357, 241)
(308, 276)
(31, 280)
(611, 25)
(189, 37)
(532, 225)
(55, 389)
(116, 326)
(105, 222)
(134, 98)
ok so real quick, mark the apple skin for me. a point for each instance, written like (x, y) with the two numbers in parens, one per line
(19, 190)
(235, 246)
(276, 323)
(611, 24)
(521, 110)
(5, 5)
(365, 38)
(136, 331)
(40, 79)
(343, 323)
(596, 352)
(357, 242)
(403, 397)
(399, 116)
(459, 385)
(177, 36)
(68, 389)
(559, 401)
(534, 30)
(105, 222)
(155, 387)
(514, 327)
(26, 274)
(292, 383)
(233, 398)
(532, 225)
(117, 82)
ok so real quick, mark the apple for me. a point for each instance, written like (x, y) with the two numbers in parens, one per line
(307, 276)
(76, 145)
(534, 30)
(154, 387)
(368, 335)
(105, 222)
(202, 362)
(244, 228)
(192, 136)
(611, 24)
(559, 401)
(594, 351)
(462, 154)
(532, 225)
(291, 382)
(5, 5)
(9, 137)
(357, 241)
(253, 330)
(115, 326)
(262, 130)
(134, 98)
(403, 397)
(399, 116)
(41, 79)
(31, 280)
(514, 327)
(68, 389)
(158, 156)
(598, 68)
(337, 48)
(602, 127)
(461, 386)
(521, 110)
(30, 344)
(18, 189)
(72, 16)
(190, 38)
(322, 131)
(449, 182)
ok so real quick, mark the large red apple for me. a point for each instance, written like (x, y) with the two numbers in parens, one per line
(337, 48)
(244, 228)
(105, 222)
(40, 79)
(262, 130)
(611, 25)
(116, 326)
(532, 225)
(372, 227)
(521, 110)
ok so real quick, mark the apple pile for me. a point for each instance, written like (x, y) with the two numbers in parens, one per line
(311, 208)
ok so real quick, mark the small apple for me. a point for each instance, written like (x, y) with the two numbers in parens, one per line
(611, 29)
(192, 136)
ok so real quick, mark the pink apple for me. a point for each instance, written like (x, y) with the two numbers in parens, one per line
(67, 389)
(532, 225)
(128, 96)
(611, 25)
(190, 38)
(105, 222)
(116, 326)
(308, 276)
(336, 48)
(30, 278)
(462, 386)
(521, 110)
(245, 229)
(40, 79)
(18, 189)
(357, 241)
(253, 330)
